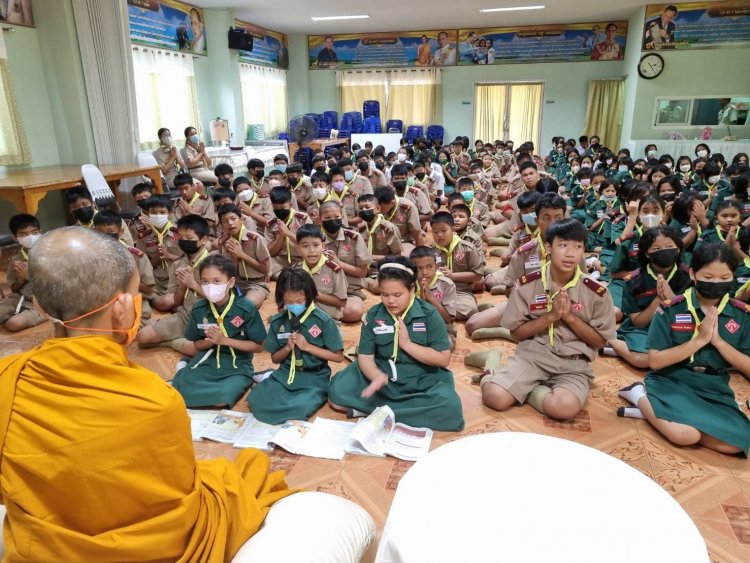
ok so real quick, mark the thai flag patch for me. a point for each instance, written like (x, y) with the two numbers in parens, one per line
(540, 298)
(419, 327)
(683, 318)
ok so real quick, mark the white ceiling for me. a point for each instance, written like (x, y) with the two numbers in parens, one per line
(293, 16)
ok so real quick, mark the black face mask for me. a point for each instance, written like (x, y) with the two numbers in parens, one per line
(367, 215)
(115, 236)
(292, 180)
(188, 246)
(225, 182)
(665, 258)
(142, 204)
(669, 196)
(282, 214)
(400, 185)
(332, 225)
(713, 290)
(380, 165)
(84, 214)
(363, 167)
(420, 175)
(319, 168)
(260, 173)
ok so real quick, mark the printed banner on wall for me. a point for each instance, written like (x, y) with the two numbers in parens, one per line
(270, 48)
(16, 12)
(397, 49)
(167, 24)
(602, 41)
(697, 25)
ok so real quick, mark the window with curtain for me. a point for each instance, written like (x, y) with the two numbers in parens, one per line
(264, 98)
(13, 146)
(412, 95)
(508, 111)
(604, 111)
(165, 94)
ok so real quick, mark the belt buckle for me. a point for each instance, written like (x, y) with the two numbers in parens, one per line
(699, 369)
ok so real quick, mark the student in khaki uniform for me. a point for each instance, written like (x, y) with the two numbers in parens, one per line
(257, 175)
(473, 223)
(478, 209)
(17, 310)
(224, 174)
(248, 252)
(459, 261)
(299, 386)
(462, 226)
(193, 203)
(342, 194)
(227, 196)
(329, 278)
(301, 189)
(348, 249)
(694, 339)
(381, 236)
(399, 180)
(281, 232)
(258, 208)
(356, 183)
(184, 283)
(402, 359)
(141, 193)
(561, 318)
(375, 176)
(433, 287)
(81, 205)
(321, 192)
(157, 237)
(527, 229)
(403, 215)
(108, 223)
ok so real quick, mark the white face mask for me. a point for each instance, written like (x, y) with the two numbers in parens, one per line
(245, 196)
(575, 169)
(685, 168)
(651, 154)
(166, 141)
(28, 241)
(713, 179)
(319, 193)
(622, 168)
(158, 221)
(401, 157)
(650, 220)
(609, 162)
(214, 292)
(668, 165)
(702, 153)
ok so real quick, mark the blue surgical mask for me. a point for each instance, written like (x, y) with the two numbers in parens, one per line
(281, 167)
(609, 198)
(529, 218)
(348, 175)
(296, 309)
(468, 195)
(195, 139)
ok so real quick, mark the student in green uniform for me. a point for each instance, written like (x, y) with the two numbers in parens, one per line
(741, 287)
(693, 340)
(403, 358)
(299, 386)
(727, 215)
(226, 331)
(689, 219)
(659, 279)
(597, 214)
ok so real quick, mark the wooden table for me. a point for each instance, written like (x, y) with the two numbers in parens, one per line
(26, 187)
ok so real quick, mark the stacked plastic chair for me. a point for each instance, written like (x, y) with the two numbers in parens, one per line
(435, 132)
(371, 125)
(351, 122)
(396, 124)
(371, 108)
(332, 118)
(414, 132)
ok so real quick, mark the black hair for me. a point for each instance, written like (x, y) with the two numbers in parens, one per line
(738, 156)
(142, 187)
(683, 206)
(344, 162)
(384, 194)
(705, 146)
(367, 197)
(636, 191)
(222, 263)
(399, 170)
(182, 179)
(710, 252)
(465, 181)
(295, 279)
(228, 208)
(423, 252)
(157, 200)
(294, 167)
(711, 168)
(649, 236)
(21, 221)
(455, 196)
(604, 185)
(309, 230)
(527, 164)
(528, 199)
(281, 156)
(461, 207)
(744, 239)
(194, 223)
(320, 176)
(78, 192)
(718, 158)
(335, 171)
(566, 229)
(740, 185)
(280, 196)
(239, 180)
(223, 168)
(651, 198)
(187, 130)
(726, 204)
(442, 217)
(161, 131)
(275, 172)
(649, 146)
(107, 217)
(255, 163)
(550, 200)
(409, 279)
(221, 193)
(584, 173)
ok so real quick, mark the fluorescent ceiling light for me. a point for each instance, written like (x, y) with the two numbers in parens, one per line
(511, 9)
(326, 18)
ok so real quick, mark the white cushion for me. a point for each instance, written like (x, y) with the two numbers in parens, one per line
(310, 527)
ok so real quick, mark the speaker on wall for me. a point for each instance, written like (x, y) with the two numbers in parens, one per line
(240, 40)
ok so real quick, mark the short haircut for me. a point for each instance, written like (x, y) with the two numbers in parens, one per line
(239, 180)
(221, 193)
(399, 170)
(711, 168)
(222, 263)
(407, 277)
(21, 221)
(566, 229)
(462, 207)
(280, 196)
(78, 192)
(423, 252)
(142, 187)
(465, 182)
(385, 194)
(651, 199)
(309, 231)
(281, 156)
(194, 223)
(275, 172)
(182, 179)
(107, 217)
(708, 253)
(228, 208)
(527, 164)
(330, 204)
(344, 162)
(744, 239)
(322, 176)
(222, 169)
(335, 171)
(294, 167)
(157, 201)
(295, 279)
(528, 199)
(442, 217)
(367, 197)
(550, 200)
(63, 263)
(455, 196)
(255, 163)
(649, 236)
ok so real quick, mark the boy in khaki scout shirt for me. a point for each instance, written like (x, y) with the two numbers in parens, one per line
(301, 188)
(81, 205)
(403, 214)
(281, 231)
(375, 176)
(329, 278)
(400, 182)
(184, 283)
(435, 288)
(227, 196)
(347, 248)
(256, 171)
(249, 253)
(356, 183)
(381, 237)
(478, 209)
(459, 261)
(463, 228)
(193, 203)
(258, 208)
(17, 310)
(342, 194)
(561, 317)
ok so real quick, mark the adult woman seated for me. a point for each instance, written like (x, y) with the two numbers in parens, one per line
(198, 162)
(168, 157)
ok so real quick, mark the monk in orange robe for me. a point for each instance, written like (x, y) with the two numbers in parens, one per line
(97, 457)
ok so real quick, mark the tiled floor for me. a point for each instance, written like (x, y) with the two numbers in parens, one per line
(714, 489)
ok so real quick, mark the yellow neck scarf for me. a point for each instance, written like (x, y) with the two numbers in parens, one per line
(195, 197)
(243, 232)
(340, 198)
(396, 321)
(655, 276)
(722, 238)
(694, 313)
(220, 321)
(201, 257)
(392, 214)
(449, 251)
(432, 283)
(315, 269)
(25, 254)
(295, 362)
(160, 236)
(551, 298)
(288, 222)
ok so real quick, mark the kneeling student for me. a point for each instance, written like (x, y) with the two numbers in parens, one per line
(329, 278)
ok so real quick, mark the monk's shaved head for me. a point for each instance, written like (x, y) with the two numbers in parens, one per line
(75, 270)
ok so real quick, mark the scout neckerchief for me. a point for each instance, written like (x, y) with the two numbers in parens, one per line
(243, 232)
(340, 198)
(90, 224)
(694, 313)
(371, 231)
(25, 255)
(653, 274)
(166, 149)
(257, 185)
(194, 265)
(722, 238)
(551, 298)
(295, 187)
(160, 237)
(711, 188)
(542, 248)
(295, 362)
(220, 320)
(288, 222)
(392, 214)
(317, 268)
(195, 198)
(471, 205)
(252, 199)
(396, 321)
(745, 285)
(432, 284)
(449, 250)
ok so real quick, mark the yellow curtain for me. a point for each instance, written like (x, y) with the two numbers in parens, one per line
(508, 111)
(13, 146)
(525, 113)
(264, 99)
(355, 87)
(414, 97)
(604, 110)
(490, 103)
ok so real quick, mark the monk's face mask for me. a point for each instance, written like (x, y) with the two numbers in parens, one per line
(129, 333)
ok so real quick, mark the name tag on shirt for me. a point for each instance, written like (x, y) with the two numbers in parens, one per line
(599, 214)
(204, 326)
(742, 280)
(685, 229)
(284, 335)
(703, 192)
(439, 260)
(383, 330)
(533, 263)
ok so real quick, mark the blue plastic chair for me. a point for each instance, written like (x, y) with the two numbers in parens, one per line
(414, 132)
(332, 117)
(371, 108)
(435, 132)
(394, 124)
(371, 125)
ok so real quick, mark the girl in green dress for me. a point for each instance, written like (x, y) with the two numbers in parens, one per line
(226, 330)
(403, 358)
(694, 340)
(302, 339)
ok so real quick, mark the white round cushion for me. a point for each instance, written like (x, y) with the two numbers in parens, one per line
(311, 527)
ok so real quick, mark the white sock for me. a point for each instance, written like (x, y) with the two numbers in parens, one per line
(354, 413)
(181, 364)
(609, 351)
(262, 375)
(633, 393)
(630, 412)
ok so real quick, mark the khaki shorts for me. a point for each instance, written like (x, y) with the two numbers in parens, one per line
(171, 327)
(496, 278)
(8, 309)
(466, 305)
(253, 286)
(538, 365)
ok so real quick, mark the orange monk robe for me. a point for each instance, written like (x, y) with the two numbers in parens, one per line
(98, 464)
